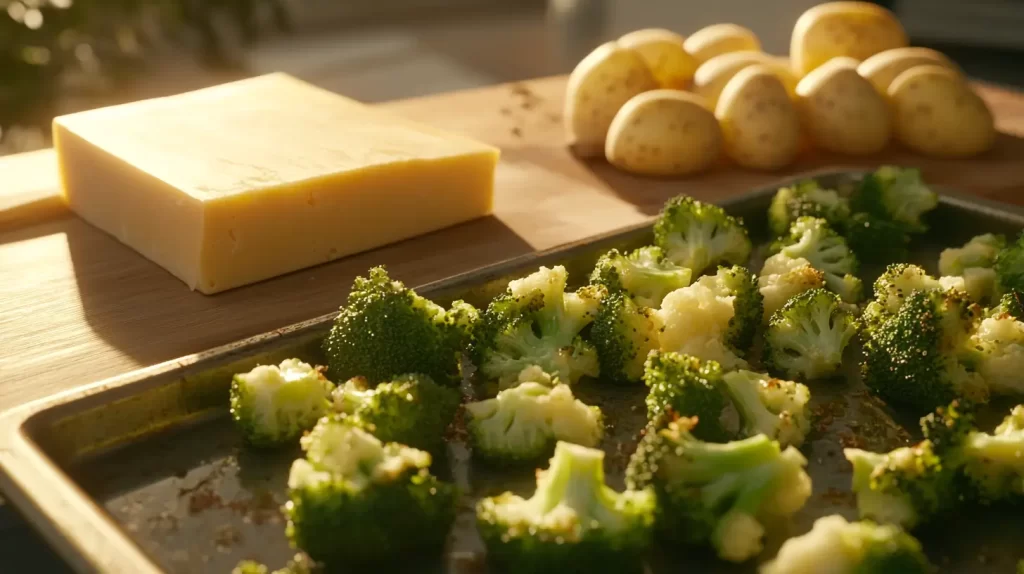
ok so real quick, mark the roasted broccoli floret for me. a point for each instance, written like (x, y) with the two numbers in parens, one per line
(806, 198)
(907, 486)
(994, 463)
(1009, 266)
(1011, 304)
(386, 330)
(411, 409)
(783, 278)
(980, 251)
(355, 500)
(645, 275)
(572, 523)
(898, 194)
(535, 322)
(896, 284)
(624, 333)
(770, 406)
(700, 236)
(523, 423)
(974, 263)
(912, 360)
(685, 385)
(875, 239)
(718, 494)
(715, 318)
(274, 404)
(812, 239)
(996, 351)
(947, 427)
(736, 404)
(806, 338)
(913, 484)
(840, 547)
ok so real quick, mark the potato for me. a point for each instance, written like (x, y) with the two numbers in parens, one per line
(662, 51)
(855, 29)
(664, 132)
(840, 111)
(882, 68)
(712, 76)
(938, 114)
(717, 39)
(760, 125)
(604, 80)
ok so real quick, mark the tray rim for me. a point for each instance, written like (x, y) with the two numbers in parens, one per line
(90, 540)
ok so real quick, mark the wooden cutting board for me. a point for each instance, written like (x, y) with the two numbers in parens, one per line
(76, 306)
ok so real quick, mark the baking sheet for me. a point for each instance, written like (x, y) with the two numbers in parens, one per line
(145, 472)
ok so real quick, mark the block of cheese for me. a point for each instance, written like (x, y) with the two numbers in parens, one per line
(237, 183)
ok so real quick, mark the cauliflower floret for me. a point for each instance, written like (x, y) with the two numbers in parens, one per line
(695, 320)
(998, 350)
(783, 277)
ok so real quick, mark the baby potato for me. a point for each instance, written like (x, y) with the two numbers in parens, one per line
(712, 76)
(662, 51)
(664, 132)
(717, 39)
(855, 29)
(938, 114)
(760, 125)
(882, 68)
(840, 110)
(604, 80)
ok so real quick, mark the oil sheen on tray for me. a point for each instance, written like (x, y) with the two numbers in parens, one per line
(159, 455)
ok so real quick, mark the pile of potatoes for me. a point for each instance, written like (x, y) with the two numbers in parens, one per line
(656, 103)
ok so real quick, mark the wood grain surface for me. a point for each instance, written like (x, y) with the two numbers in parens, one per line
(76, 306)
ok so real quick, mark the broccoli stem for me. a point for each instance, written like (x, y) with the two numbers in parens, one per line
(575, 479)
(705, 461)
(818, 341)
(756, 417)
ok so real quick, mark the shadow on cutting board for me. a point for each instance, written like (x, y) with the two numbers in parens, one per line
(145, 312)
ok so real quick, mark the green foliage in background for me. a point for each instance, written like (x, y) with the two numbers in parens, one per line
(51, 50)
(46, 44)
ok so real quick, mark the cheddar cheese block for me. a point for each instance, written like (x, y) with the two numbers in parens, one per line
(237, 183)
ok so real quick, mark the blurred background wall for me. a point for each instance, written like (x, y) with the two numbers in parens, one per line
(58, 56)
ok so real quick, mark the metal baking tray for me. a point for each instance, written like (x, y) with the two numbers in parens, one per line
(144, 472)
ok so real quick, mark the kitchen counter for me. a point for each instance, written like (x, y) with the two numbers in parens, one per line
(76, 306)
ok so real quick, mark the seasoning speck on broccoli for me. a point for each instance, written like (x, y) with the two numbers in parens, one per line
(573, 522)
(354, 500)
